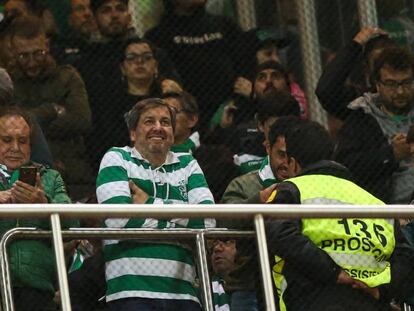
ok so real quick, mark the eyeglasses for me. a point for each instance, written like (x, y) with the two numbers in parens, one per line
(38, 55)
(145, 57)
(392, 84)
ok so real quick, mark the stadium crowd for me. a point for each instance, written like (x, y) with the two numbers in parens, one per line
(186, 114)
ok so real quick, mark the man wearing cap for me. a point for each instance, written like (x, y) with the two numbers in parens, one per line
(151, 275)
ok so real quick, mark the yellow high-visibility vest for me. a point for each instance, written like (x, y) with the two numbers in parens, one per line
(362, 247)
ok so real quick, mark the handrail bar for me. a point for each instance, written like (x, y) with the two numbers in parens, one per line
(153, 234)
(196, 211)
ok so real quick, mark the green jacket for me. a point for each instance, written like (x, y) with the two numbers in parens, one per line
(243, 189)
(32, 262)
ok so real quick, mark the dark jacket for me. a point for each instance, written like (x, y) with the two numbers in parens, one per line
(310, 272)
(332, 90)
(32, 262)
(59, 85)
(208, 52)
(363, 147)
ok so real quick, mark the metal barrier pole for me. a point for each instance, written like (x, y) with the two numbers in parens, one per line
(367, 11)
(246, 13)
(308, 30)
(60, 262)
(264, 263)
(203, 270)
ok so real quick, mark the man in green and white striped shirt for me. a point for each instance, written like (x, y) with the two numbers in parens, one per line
(145, 275)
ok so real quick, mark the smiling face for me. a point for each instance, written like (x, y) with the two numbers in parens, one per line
(153, 135)
(14, 141)
(31, 54)
(279, 159)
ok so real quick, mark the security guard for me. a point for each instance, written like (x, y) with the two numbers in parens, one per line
(332, 264)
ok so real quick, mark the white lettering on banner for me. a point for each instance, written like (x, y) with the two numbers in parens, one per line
(208, 37)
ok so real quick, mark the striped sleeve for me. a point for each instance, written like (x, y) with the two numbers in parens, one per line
(197, 188)
(112, 181)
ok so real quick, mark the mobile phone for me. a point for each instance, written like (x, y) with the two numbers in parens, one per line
(28, 175)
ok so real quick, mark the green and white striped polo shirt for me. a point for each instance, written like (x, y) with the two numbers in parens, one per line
(149, 270)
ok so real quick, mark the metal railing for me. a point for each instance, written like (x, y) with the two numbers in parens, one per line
(55, 211)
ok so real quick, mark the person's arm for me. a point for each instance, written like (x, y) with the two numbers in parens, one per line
(364, 150)
(286, 240)
(331, 90)
(402, 270)
(73, 115)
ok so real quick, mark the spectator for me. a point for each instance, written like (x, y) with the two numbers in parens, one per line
(199, 42)
(343, 79)
(253, 136)
(269, 42)
(254, 187)
(327, 264)
(217, 177)
(226, 259)
(268, 78)
(56, 95)
(141, 80)
(186, 139)
(112, 88)
(31, 261)
(40, 152)
(81, 32)
(372, 142)
(34, 8)
(149, 173)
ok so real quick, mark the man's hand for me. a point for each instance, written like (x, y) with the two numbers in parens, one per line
(5, 197)
(243, 87)
(228, 115)
(265, 193)
(345, 278)
(400, 147)
(367, 33)
(25, 193)
(138, 195)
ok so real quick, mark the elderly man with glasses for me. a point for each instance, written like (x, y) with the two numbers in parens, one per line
(146, 275)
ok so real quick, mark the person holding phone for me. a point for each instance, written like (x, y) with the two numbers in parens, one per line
(22, 181)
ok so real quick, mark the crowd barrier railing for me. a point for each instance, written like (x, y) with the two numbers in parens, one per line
(257, 212)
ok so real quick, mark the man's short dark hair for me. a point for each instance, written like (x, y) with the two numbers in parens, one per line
(281, 127)
(397, 58)
(187, 101)
(136, 40)
(95, 4)
(27, 27)
(132, 117)
(378, 42)
(308, 142)
(271, 64)
(276, 104)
